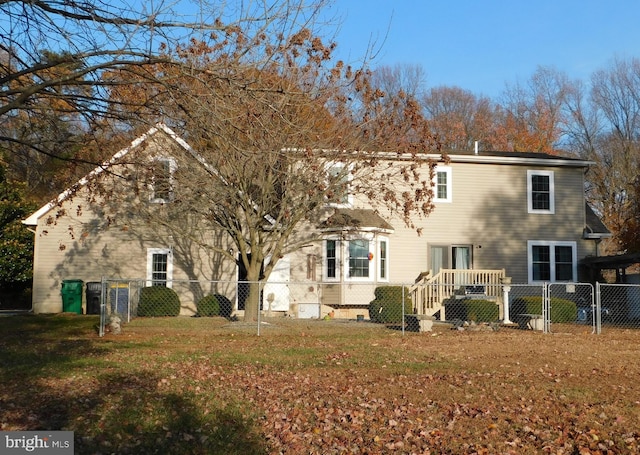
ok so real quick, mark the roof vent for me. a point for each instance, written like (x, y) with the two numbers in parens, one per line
(476, 149)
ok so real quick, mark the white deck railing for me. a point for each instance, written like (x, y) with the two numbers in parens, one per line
(430, 292)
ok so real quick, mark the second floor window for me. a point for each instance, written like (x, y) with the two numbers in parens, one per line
(338, 178)
(442, 184)
(162, 180)
(540, 192)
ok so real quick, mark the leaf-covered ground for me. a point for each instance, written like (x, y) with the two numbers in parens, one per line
(185, 385)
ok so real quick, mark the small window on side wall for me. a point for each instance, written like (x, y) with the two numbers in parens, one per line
(162, 170)
(159, 267)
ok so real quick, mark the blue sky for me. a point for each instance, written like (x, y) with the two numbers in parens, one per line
(481, 45)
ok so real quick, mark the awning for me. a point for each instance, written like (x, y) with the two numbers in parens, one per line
(362, 219)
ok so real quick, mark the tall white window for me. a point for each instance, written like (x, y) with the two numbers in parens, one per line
(338, 181)
(443, 184)
(359, 258)
(331, 259)
(159, 267)
(552, 261)
(161, 188)
(383, 259)
(540, 192)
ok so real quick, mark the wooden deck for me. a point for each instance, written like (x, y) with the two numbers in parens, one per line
(430, 292)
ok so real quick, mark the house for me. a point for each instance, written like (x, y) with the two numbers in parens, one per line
(497, 214)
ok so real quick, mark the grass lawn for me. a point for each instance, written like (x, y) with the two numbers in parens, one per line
(209, 386)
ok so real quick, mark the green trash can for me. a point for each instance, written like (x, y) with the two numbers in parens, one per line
(72, 296)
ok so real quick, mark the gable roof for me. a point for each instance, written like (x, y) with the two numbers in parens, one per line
(32, 220)
(595, 228)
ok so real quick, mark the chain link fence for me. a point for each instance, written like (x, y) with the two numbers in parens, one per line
(550, 308)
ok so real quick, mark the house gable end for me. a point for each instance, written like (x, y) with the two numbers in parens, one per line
(32, 220)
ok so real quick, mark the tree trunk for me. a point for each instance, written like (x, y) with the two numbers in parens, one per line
(252, 304)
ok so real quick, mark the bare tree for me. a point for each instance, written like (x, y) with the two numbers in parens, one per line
(56, 58)
(278, 140)
(458, 118)
(532, 117)
(605, 128)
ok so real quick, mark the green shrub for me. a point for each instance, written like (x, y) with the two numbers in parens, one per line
(158, 301)
(562, 310)
(214, 305)
(477, 310)
(387, 305)
(208, 306)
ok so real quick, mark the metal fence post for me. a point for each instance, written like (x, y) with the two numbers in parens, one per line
(259, 304)
(403, 311)
(546, 308)
(598, 311)
(103, 306)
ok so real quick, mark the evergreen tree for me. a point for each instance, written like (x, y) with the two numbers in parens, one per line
(16, 245)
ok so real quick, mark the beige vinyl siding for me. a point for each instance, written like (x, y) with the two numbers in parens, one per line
(489, 211)
(75, 242)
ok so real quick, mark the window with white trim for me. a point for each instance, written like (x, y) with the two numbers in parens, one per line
(383, 259)
(442, 184)
(551, 261)
(331, 260)
(338, 181)
(353, 259)
(159, 267)
(540, 192)
(359, 250)
(161, 188)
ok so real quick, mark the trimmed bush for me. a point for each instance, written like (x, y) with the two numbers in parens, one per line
(158, 301)
(387, 306)
(214, 305)
(562, 310)
(208, 306)
(477, 310)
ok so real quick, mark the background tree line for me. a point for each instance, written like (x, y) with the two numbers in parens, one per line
(79, 80)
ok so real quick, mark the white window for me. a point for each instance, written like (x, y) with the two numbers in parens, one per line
(331, 260)
(159, 267)
(552, 261)
(338, 183)
(383, 259)
(161, 188)
(359, 250)
(442, 184)
(540, 192)
(353, 259)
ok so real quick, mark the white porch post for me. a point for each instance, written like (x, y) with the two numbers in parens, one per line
(506, 288)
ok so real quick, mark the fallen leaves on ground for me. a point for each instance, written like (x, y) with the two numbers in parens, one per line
(314, 391)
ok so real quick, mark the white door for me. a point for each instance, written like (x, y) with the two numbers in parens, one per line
(275, 296)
